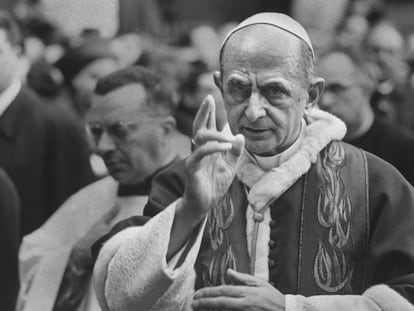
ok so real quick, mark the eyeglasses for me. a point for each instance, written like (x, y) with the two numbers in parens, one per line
(119, 130)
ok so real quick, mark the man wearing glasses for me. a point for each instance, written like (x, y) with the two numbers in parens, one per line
(133, 129)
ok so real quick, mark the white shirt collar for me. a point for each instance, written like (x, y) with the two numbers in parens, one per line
(9, 94)
(267, 163)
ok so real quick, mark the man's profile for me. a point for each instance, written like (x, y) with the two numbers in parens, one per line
(133, 128)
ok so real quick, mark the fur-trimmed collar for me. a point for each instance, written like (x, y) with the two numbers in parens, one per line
(265, 187)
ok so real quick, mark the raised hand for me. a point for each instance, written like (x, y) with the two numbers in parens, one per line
(212, 166)
(251, 294)
(210, 171)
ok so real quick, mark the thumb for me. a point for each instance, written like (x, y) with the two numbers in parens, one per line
(242, 278)
(204, 118)
(238, 145)
(233, 155)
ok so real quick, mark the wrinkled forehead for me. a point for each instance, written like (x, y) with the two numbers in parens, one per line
(259, 48)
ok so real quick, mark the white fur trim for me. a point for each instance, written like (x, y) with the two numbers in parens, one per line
(266, 187)
(122, 284)
(330, 302)
(100, 272)
(377, 298)
(387, 298)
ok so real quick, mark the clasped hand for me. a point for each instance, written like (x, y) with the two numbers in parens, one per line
(250, 294)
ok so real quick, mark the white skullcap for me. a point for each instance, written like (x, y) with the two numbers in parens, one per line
(278, 20)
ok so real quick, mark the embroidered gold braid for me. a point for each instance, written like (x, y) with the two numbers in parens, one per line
(219, 220)
(332, 267)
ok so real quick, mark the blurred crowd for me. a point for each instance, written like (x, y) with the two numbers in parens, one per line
(47, 81)
(389, 56)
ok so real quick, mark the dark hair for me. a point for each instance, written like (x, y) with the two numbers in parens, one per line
(40, 27)
(161, 97)
(77, 58)
(190, 83)
(12, 29)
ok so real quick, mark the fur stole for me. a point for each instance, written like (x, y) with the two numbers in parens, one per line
(266, 187)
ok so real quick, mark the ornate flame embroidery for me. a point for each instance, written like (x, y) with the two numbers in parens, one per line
(219, 220)
(332, 268)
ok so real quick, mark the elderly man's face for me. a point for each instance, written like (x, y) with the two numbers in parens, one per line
(262, 86)
(385, 47)
(128, 136)
(385, 41)
(345, 95)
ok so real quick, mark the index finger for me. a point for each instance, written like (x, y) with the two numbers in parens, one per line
(221, 291)
(212, 118)
(203, 116)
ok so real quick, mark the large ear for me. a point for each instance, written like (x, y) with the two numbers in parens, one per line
(218, 81)
(315, 92)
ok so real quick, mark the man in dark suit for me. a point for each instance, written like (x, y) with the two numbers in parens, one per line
(9, 241)
(348, 90)
(43, 149)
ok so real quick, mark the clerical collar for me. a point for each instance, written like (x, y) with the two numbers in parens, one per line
(9, 94)
(267, 163)
(144, 187)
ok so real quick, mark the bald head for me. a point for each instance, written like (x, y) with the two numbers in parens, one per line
(348, 88)
(277, 20)
(253, 44)
(385, 36)
(346, 64)
(266, 83)
(264, 42)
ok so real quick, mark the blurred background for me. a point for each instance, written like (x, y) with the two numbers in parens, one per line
(60, 48)
(181, 38)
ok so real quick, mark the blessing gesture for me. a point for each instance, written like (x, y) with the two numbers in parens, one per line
(213, 164)
(210, 171)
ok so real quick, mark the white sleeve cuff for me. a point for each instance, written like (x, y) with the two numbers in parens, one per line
(132, 269)
(377, 298)
(329, 303)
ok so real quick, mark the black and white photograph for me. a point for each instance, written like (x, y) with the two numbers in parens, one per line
(207, 155)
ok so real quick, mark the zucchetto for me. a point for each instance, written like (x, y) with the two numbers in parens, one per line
(278, 20)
